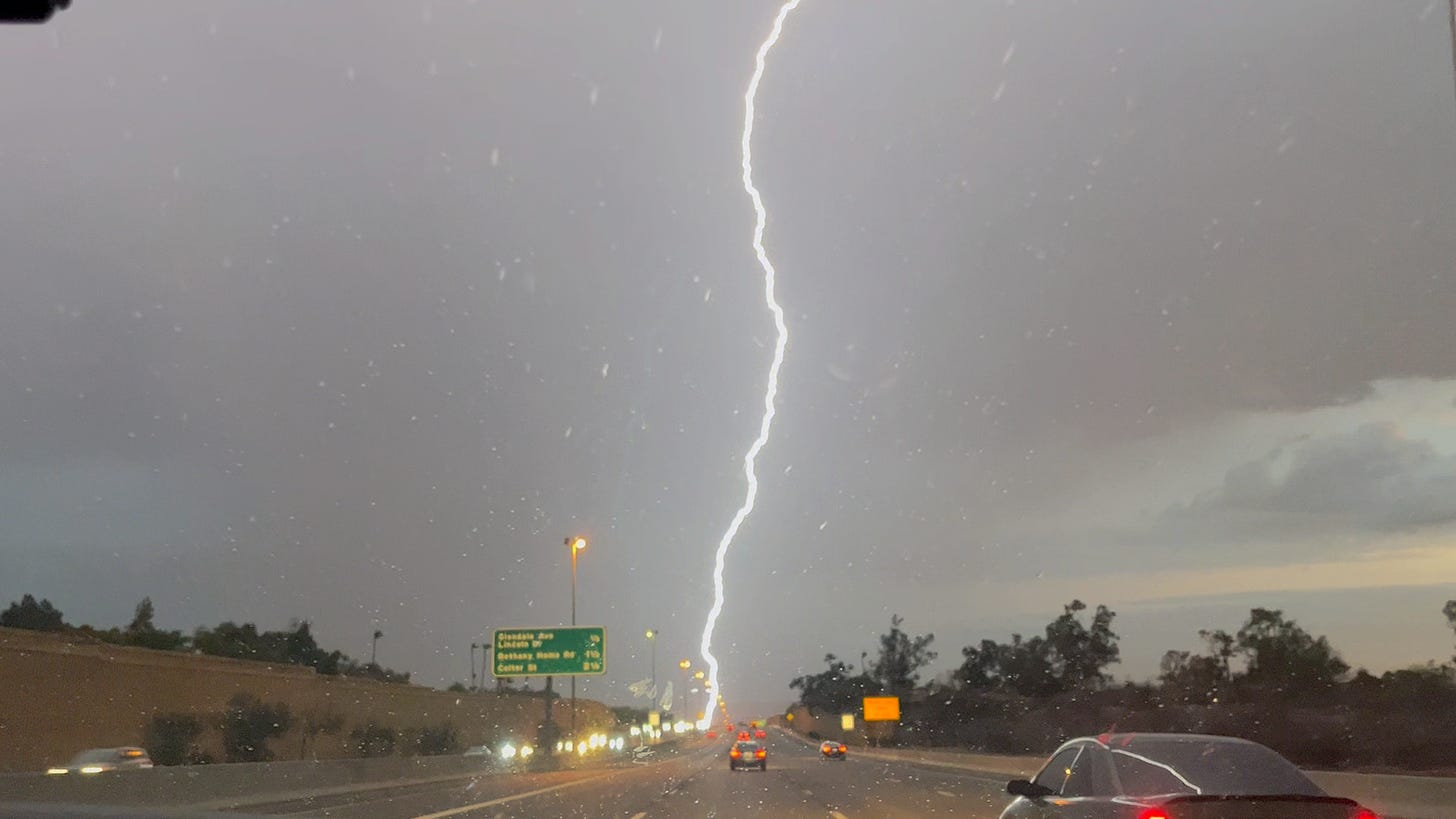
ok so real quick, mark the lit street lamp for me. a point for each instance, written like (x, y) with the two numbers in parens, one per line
(652, 635)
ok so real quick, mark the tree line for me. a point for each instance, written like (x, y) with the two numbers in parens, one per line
(1269, 679)
(240, 641)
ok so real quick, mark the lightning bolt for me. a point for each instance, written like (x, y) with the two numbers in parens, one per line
(769, 276)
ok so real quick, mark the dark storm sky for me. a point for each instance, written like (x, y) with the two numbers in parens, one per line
(354, 313)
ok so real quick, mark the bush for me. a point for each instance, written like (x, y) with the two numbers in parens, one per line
(170, 738)
(372, 739)
(248, 724)
(437, 740)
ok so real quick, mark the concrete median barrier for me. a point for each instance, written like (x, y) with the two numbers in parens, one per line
(219, 786)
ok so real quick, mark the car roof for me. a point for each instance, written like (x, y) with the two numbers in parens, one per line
(1133, 740)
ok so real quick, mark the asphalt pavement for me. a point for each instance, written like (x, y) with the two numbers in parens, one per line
(694, 783)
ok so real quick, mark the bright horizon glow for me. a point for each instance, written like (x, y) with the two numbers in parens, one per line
(769, 276)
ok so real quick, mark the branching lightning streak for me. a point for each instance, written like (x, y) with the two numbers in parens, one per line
(769, 276)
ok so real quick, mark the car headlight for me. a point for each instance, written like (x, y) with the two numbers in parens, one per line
(55, 771)
(92, 769)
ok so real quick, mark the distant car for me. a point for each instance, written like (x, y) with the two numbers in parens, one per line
(101, 760)
(1172, 776)
(712, 735)
(760, 734)
(744, 736)
(829, 749)
(747, 755)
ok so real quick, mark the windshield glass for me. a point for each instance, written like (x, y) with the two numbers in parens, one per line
(581, 387)
(1149, 768)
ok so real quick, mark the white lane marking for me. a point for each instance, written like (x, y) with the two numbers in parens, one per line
(942, 793)
(512, 798)
(639, 815)
(808, 792)
(834, 814)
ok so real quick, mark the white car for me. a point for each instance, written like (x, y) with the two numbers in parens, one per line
(101, 760)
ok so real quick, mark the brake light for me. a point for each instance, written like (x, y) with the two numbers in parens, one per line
(842, 749)
(1153, 813)
(762, 753)
(1365, 813)
(734, 753)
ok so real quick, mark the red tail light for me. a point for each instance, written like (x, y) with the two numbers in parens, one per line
(1154, 813)
(762, 753)
(734, 753)
(842, 749)
(1366, 814)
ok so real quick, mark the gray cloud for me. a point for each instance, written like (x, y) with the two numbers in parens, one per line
(355, 315)
(1370, 479)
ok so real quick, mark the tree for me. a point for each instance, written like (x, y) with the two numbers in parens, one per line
(437, 740)
(171, 738)
(248, 724)
(828, 691)
(1070, 656)
(901, 657)
(1080, 654)
(142, 620)
(1450, 611)
(29, 614)
(372, 739)
(458, 688)
(1021, 666)
(1195, 676)
(1221, 647)
(1285, 658)
(143, 633)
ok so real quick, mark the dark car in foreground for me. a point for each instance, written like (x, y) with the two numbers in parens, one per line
(1172, 776)
(747, 755)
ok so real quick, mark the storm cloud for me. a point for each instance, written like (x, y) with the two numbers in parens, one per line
(354, 315)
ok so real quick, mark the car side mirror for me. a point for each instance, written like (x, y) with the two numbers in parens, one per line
(1028, 789)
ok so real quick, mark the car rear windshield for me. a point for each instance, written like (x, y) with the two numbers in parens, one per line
(96, 755)
(1150, 768)
(748, 747)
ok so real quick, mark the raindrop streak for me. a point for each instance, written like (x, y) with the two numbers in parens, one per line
(773, 371)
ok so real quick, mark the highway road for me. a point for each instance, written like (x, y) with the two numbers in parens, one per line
(696, 783)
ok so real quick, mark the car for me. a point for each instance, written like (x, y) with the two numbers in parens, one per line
(760, 734)
(829, 749)
(101, 760)
(712, 735)
(1172, 776)
(747, 755)
(744, 736)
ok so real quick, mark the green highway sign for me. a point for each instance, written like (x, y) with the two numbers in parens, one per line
(555, 652)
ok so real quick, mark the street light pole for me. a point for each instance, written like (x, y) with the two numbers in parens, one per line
(374, 647)
(576, 544)
(473, 647)
(652, 635)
